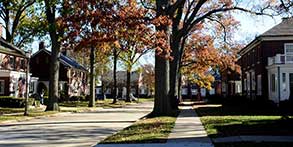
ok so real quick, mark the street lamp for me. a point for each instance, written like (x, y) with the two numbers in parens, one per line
(28, 56)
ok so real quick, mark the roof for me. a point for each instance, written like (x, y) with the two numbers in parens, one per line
(65, 60)
(283, 29)
(8, 48)
(121, 76)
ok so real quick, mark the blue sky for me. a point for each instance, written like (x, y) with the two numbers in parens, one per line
(251, 26)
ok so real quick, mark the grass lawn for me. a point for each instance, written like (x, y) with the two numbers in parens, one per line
(222, 121)
(73, 106)
(148, 130)
(107, 103)
(21, 117)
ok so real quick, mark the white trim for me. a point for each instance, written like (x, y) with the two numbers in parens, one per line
(259, 39)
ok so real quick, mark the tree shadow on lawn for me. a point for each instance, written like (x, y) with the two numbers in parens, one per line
(154, 130)
(233, 120)
(241, 109)
(278, 127)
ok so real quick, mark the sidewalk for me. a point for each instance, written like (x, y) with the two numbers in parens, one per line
(188, 132)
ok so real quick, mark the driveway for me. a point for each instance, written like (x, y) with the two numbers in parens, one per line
(71, 129)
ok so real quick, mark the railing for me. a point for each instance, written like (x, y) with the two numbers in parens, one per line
(280, 59)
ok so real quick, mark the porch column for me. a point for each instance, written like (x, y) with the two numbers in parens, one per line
(279, 85)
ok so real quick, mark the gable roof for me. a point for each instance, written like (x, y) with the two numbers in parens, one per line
(64, 60)
(283, 30)
(10, 49)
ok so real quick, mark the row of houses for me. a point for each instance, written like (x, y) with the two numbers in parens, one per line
(266, 71)
(13, 68)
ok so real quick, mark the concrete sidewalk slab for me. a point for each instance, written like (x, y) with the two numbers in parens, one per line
(189, 130)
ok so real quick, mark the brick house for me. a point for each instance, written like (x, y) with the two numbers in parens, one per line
(266, 64)
(72, 75)
(13, 64)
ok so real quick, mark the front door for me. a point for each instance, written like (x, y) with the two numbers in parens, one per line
(291, 86)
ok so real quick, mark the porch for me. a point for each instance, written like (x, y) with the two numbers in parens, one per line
(280, 77)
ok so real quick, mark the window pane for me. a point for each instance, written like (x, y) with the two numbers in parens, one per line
(259, 85)
(289, 48)
(284, 77)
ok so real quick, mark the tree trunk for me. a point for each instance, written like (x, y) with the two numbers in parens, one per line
(114, 91)
(176, 53)
(162, 105)
(162, 102)
(55, 54)
(174, 72)
(92, 78)
(180, 88)
(128, 86)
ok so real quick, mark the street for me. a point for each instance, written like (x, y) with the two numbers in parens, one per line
(71, 129)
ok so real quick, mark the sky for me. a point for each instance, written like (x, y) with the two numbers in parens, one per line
(250, 27)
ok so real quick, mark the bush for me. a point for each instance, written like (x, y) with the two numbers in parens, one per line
(64, 96)
(215, 99)
(13, 102)
(286, 107)
(78, 98)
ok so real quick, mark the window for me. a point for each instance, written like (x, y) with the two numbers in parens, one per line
(32, 87)
(273, 82)
(284, 77)
(253, 83)
(289, 48)
(12, 62)
(284, 81)
(248, 81)
(245, 84)
(259, 86)
(22, 64)
(184, 91)
(2, 85)
(142, 91)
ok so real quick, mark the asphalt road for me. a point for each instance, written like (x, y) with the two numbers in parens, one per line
(71, 129)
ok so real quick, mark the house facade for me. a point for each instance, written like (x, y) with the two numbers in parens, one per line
(13, 64)
(72, 75)
(138, 87)
(266, 64)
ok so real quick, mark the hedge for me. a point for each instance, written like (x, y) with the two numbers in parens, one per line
(14, 102)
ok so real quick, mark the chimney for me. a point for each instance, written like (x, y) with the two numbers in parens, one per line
(41, 45)
(285, 18)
